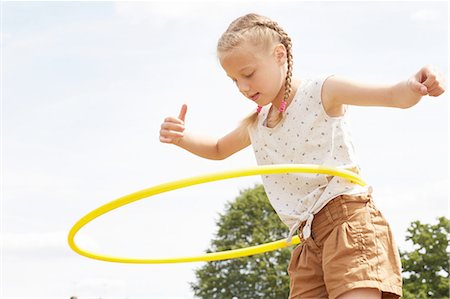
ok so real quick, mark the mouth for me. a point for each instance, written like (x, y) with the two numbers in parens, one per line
(254, 97)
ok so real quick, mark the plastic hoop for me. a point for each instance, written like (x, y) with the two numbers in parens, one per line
(215, 256)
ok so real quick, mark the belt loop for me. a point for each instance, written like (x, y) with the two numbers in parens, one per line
(344, 207)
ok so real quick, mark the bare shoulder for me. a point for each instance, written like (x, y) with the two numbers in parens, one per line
(329, 89)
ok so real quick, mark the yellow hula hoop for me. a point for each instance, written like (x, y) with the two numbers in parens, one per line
(215, 256)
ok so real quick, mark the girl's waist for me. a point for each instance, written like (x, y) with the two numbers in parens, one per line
(336, 211)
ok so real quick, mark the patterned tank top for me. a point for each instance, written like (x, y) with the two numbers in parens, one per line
(306, 135)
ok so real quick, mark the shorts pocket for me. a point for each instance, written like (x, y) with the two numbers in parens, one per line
(352, 243)
(346, 245)
(361, 249)
(346, 255)
(358, 235)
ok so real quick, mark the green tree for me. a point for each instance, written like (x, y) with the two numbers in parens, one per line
(249, 220)
(426, 269)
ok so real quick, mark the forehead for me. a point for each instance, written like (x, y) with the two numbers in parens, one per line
(240, 58)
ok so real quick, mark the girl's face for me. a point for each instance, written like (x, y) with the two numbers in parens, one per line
(259, 75)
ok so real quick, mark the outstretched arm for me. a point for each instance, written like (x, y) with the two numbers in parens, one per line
(338, 91)
(172, 131)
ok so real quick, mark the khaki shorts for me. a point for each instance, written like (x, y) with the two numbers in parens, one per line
(351, 246)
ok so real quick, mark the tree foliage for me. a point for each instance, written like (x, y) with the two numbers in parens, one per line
(426, 269)
(249, 220)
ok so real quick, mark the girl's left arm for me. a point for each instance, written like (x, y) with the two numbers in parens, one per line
(338, 91)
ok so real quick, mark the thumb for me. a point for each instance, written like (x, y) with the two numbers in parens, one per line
(418, 87)
(183, 112)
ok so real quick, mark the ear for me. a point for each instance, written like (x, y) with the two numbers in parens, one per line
(280, 54)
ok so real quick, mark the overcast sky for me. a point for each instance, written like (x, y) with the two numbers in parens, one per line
(86, 85)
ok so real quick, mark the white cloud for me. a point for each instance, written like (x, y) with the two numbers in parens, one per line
(164, 12)
(168, 10)
(426, 15)
(107, 286)
(46, 244)
(4, 37)
(43, 245)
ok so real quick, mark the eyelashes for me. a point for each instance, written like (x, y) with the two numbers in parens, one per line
(245, 76)
(248, 76)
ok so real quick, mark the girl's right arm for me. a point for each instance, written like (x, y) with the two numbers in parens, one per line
(172, 131)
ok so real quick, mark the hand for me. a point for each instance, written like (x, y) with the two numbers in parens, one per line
(173, 127)
(427, 81)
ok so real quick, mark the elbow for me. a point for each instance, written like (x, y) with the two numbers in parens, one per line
(218, 158)
(219, 155)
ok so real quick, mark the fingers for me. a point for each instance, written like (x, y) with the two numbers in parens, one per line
(436, 91)
(173, 127)
(173, 120)
(418, 87)
(168, 136)
(183, 112)
(165, 139)
(170, 132)
(434, 87)
(168, 126)
(431, 80)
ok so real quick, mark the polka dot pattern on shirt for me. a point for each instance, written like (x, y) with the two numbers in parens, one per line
(306, 135)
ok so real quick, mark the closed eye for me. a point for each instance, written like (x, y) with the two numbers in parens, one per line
(245, 76)
(249, 75)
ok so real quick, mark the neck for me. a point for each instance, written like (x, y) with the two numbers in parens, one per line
(280, 96)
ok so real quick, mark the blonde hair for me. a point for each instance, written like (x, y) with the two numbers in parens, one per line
(263, 32)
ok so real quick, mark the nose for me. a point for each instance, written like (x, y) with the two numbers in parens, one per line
(243, 86)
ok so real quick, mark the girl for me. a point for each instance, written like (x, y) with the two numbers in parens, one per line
(347, 248)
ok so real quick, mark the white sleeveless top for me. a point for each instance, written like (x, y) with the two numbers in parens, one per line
(306, 135)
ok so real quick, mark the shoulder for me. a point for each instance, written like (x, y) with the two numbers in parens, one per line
(329, 88)
(317, 83)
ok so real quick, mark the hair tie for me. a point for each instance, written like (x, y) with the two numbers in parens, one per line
(258, 110)
(282, 106)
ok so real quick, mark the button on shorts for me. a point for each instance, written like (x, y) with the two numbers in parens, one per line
(351, 246)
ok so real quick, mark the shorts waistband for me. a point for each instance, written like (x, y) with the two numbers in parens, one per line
(338, 208)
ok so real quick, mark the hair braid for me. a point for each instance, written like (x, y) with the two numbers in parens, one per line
(277, 116)
(286, 41)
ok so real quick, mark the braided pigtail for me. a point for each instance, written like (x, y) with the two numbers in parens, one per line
(277, 116)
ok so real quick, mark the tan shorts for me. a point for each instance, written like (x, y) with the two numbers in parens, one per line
(351, 246)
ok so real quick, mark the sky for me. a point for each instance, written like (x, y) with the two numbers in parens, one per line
(86, 85)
